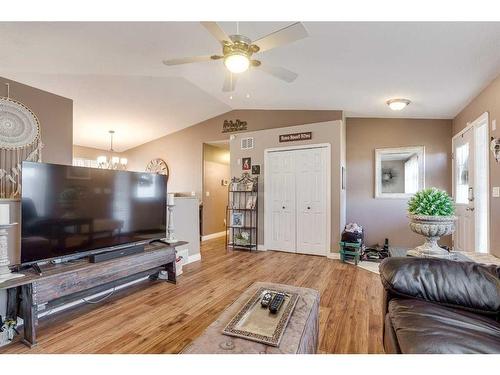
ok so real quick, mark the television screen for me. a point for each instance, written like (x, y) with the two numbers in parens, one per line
(68, 210)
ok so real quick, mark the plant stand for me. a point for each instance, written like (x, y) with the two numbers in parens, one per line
(432, 228)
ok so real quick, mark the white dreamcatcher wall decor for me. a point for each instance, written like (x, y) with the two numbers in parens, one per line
(20, 140)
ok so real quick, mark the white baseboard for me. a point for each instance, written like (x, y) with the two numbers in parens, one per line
(333, 255)
(194, 258)
(213, 235)
(261, 248)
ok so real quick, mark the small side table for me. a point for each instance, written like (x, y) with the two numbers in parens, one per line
(350, 249)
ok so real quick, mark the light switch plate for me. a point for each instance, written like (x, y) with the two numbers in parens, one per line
(494, 125)
(207, 193)
(496, 192)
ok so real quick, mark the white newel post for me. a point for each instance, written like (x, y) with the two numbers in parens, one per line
(170, 227)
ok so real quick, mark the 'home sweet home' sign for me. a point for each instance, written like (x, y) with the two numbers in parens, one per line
(295, 137)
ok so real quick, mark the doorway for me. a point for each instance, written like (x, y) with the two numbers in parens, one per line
(297, 199)
(471, 186)
(216, 177)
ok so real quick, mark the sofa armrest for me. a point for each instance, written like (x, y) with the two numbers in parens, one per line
(466, 285)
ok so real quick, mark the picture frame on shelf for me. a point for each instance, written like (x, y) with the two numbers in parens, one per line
(250, 204)
(237, 219)
(248, 186)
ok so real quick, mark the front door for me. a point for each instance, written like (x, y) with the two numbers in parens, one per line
(463, 170)
(471, 186)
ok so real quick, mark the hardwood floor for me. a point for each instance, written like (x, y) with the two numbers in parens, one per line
(164, 318)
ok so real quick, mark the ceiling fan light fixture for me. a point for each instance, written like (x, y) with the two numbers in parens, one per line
(398, 104)
(237, 62)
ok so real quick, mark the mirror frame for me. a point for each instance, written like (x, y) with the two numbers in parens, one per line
(379, 152)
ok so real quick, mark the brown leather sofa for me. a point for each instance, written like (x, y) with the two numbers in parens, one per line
(440, 306)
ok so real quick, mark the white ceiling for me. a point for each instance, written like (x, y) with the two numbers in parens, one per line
(114, 74)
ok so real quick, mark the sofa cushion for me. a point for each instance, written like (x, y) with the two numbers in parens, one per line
(424, 327)
(465, 285)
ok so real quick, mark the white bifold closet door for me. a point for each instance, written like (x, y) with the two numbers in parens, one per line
(298, 200)
(282, 189)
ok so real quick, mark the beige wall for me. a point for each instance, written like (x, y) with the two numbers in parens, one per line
(89, 152)
(386, 218)
(183, 150)
(55, 114)
(216, 168)
(324, 132)
(487, 101)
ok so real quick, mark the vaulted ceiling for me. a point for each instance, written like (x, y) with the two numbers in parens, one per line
(114, 71)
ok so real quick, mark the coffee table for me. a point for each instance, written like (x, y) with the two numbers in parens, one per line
(300, 337)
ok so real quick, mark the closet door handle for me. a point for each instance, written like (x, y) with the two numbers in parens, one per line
(308, 207)
(283, 207)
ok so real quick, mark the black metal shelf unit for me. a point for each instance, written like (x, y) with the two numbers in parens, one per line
(242, 216)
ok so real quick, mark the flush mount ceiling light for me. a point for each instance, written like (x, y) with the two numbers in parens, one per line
(398, 104)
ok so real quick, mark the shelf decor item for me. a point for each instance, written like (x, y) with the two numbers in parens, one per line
(431, 213)
(5, 224)
(20, 139)
(171, 239)
(242, 213)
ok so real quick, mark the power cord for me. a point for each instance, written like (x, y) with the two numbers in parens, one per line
(100, 300)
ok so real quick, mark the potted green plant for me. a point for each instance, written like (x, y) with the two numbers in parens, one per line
(431, 213)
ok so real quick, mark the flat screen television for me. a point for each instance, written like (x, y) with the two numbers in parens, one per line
(69, 210)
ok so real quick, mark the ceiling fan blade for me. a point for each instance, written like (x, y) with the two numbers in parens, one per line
(217, 32)
(279, 72)
(281, 37)
(187, 60)
(229, 82)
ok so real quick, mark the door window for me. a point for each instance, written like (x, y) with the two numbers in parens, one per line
(462, 174)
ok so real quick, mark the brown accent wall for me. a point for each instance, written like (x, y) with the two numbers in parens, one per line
(487, 101)
(216, 168)
(55, 114)
(183, 150)
(386, 218)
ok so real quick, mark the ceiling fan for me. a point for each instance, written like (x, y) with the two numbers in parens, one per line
(238, 50)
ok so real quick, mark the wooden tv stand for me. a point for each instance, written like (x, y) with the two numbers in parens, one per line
(66, 282)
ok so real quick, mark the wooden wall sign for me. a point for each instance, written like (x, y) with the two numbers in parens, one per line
(295, 137)
(233, 126)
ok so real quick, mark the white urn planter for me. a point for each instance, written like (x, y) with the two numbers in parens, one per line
(432, 228)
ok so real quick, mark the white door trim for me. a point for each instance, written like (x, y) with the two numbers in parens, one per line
(483, 118)
(267, 219)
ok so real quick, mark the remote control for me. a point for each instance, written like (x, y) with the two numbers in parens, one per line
(266, 298)
(276, 303)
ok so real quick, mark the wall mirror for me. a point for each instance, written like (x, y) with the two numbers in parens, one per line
(399, 172)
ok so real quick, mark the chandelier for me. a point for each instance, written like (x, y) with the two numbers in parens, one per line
(113, 161)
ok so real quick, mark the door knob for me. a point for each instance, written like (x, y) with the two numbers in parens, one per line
(283, 207)
(308, 207)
